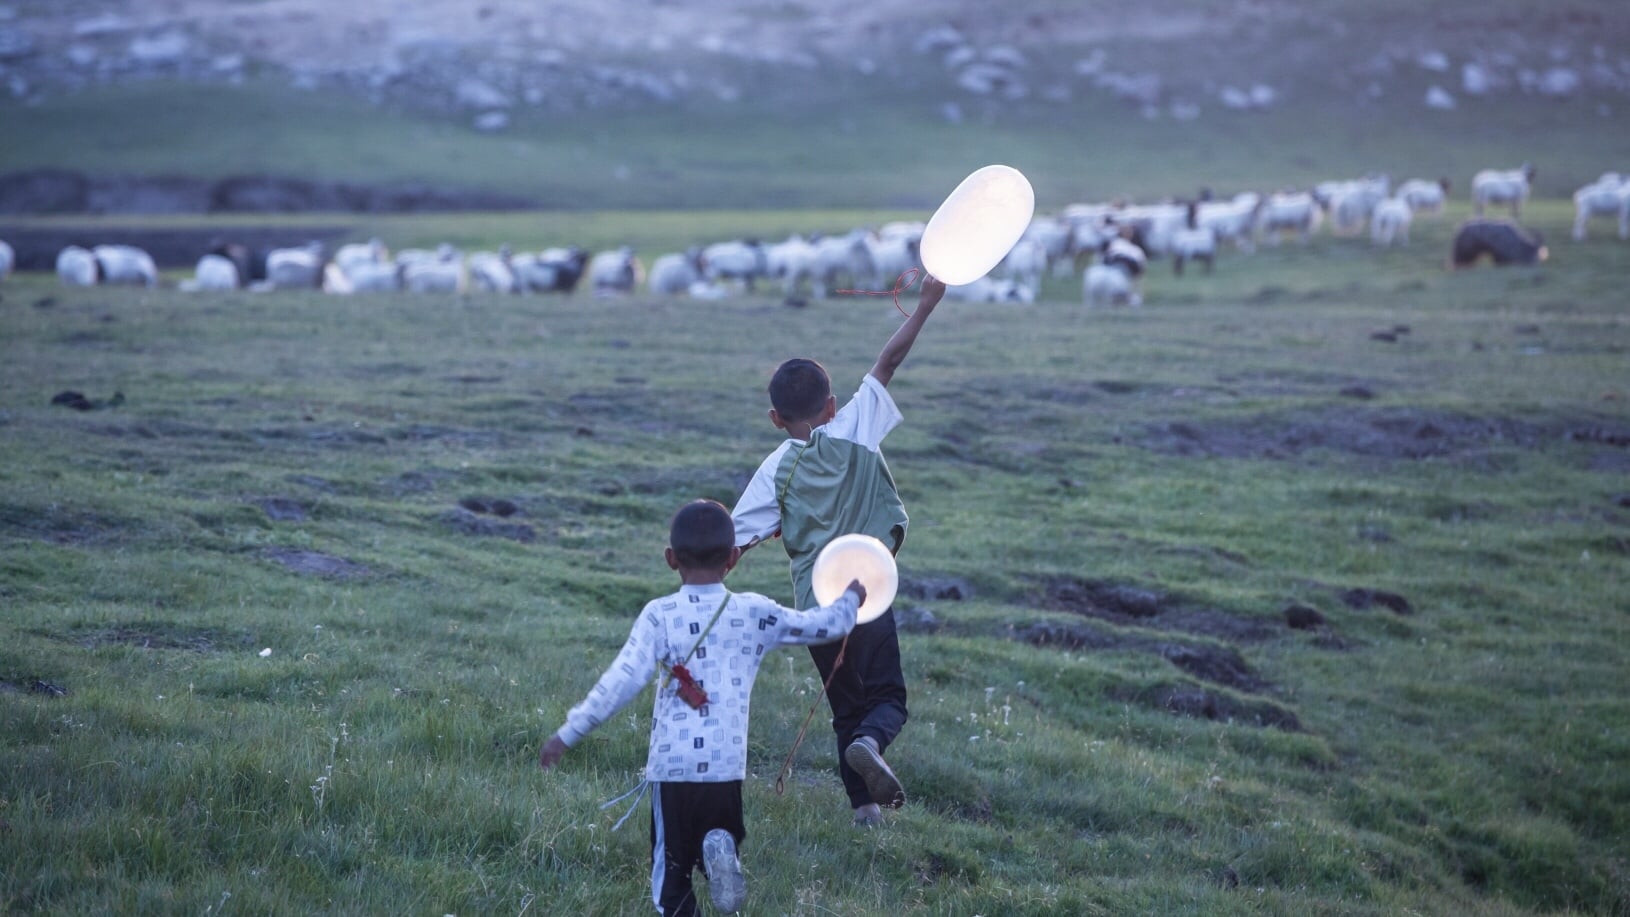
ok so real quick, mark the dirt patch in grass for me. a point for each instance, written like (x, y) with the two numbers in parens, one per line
(1126, 605)
(464, 522)
(1208, 662)
(315, 563)
(1392, 434)
(1200, 703)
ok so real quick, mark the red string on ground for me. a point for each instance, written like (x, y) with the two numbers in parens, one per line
(786, 766)
(900, 286)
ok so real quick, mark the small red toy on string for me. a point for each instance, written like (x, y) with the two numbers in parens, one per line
(689, 691)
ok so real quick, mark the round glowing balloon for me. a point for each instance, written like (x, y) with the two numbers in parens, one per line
(856, 557)
(978, 224)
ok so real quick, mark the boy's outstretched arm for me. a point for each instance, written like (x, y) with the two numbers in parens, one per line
(894, 352)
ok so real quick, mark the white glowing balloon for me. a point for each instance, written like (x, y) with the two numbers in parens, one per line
(856, 557)
(978, 224)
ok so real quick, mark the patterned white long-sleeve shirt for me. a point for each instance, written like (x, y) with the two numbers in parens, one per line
(706, 745)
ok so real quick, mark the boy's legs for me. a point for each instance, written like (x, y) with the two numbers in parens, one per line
(681, 816)
(867, 695)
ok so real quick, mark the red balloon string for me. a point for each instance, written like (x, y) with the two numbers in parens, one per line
(900, 286)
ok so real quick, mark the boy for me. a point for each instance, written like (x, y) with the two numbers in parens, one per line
(829, 479)
(704, 645)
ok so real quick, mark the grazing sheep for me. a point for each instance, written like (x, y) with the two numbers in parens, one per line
(353, 254)
(553, 270)
(1233, 221)
(1503, 241)
(1193, 241)
(1390, 222)
(8, 259)
(673, 274)
(992, 289)
(744, 261)
(1423, 195)
(1025, 263)
(1351, 202)
(295, 268)
(1293, 211)
(1607, 196)
(77, 267)
(375, 278)
(1054, 235)
(214, 272)
(251, 265)
(792, 262)
(126, 264)
(844, 259)
(890, 257)
(1115, 279)
(614, 272)
(444, 272)
(1495, 186)
(493, 271)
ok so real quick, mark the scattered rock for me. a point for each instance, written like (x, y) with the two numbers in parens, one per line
(1623, 500)
(1303, 617)
(1387, 336)
(1364, 599)
(486, 506)
(1361, 392)
(78, 401)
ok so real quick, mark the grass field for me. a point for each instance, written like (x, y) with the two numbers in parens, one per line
(1114, 716)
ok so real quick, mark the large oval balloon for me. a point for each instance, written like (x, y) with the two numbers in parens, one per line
(978, 224)
(856, 557)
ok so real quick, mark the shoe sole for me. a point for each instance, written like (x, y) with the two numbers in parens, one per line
(881, 783)
(725, 883)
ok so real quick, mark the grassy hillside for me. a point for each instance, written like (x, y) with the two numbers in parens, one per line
(1113, 717)
(845, 145)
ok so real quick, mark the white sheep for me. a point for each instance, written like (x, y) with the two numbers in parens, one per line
(8, 259)
(615, 271)
(376, 278)
(842, 259)
(1350, 202)
(890, 257)
(213, 272)
(77, 267)
(1389, 223)
(126, 264)
(1607, 196)
(445, 274)
(1025, 263)
(1508, 186)
(1233, 221)
(674, 273)
(744, 261)
(792, 262)
(1295, 211)
(494, 271)
(1423, 195)
(992, 289)
(353, 254)
(298, 268)
(1193, 241)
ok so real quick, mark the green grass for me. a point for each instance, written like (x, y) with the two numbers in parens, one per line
(1466, 758)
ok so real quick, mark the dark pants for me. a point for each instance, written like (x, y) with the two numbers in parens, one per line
(868, 694)
(681, 815)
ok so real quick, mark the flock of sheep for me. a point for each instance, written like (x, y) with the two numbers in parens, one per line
(1111, 244)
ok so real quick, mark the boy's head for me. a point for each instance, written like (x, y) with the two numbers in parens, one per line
(800, 392)
(702, 537)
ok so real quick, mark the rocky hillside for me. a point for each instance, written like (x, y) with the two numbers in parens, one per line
(492, 61)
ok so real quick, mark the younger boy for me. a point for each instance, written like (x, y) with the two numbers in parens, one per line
(703, 644)
(829, 479)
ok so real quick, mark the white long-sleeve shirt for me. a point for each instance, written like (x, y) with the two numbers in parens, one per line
(708, 745)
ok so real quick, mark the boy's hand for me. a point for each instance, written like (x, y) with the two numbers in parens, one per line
(859, 591)
(933, 290)
(550, 754)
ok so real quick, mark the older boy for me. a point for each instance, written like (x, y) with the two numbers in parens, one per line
(703, 644)
(829, 479)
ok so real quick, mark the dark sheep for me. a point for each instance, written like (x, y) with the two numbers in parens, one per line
(1503, 241)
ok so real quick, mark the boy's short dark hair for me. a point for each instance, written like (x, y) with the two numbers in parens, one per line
(799, 389)
(701, 535)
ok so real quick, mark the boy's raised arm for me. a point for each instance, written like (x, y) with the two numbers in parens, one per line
(894, 352)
